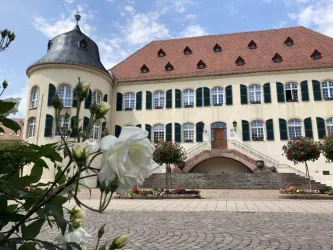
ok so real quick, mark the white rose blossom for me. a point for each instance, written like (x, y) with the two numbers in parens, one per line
(79, 236)
(82, 150)
(128, 157)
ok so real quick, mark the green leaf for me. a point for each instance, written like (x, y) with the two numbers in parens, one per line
(70, 245)
(11, 217)
(36, 172)
(3, 203)
(27, 246)
(32, 230)
(103, 247)
(61, 222)
(2, 130)
(6, 106)
(62, 179)
(11, 208)
(8, 123)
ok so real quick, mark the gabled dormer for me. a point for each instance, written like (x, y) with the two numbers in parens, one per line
(144, 69)
(252, 45)
(277, 58)
(240, 61)
(187, 51)
(168, 67)
(316, 55)
(289, 42)
(217, 48)
(161, 53)
(201, 65)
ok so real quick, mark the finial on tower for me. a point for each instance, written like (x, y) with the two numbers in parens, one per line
(77, 18)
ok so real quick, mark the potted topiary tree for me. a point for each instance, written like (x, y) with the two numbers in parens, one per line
(302, 150)
(168, 153)
(327, 148)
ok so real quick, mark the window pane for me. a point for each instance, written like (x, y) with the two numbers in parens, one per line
(294, 128)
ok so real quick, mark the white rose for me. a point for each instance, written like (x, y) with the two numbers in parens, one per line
(82, 150)
(79, 236)
(102, 109)
(128, 157)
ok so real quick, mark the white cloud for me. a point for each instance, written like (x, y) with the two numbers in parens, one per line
(179, 6)
(190, 17)
(193, 30)
(69, 1)
(317, 15)
(130, 9)
(232, 8)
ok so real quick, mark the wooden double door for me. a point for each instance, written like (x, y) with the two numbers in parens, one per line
(219, 141)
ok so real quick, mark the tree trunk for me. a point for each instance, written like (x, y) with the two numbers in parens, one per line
(308, 175)
(167, 172)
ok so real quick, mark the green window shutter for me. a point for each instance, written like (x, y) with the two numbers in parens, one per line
(74, 104)
(52, 91)
(321, 127)
(305, 91)
(270, 130)
(206, 96)
(228, 95)
(103, 126)
(168, 132)
(73, 130)
(138, 98)
(149, 100)
(117, 131)
(198, 94)
(283, 129)
(316, 90)
(308, 127)
(178, 132)
(243, 94)
(178, 98)
(119, 102)
(246, 130)
(48, 126)
(199, 132)
(87, 102)
(280, 92)
(85, 122)
(138, 126)
(169, 99)
(148, 129)
(105, 98)
(267, 93)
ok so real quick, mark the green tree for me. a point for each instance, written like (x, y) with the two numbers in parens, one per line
(327, 148)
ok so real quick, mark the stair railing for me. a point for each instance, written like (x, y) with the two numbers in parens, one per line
(196, 149)
(299, 172)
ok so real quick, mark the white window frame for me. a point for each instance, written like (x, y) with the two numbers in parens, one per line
(97, 97)
(188, 98)
(218, 93)
(96, 131)
(294, 126)
(65, 94)
(62, 125)
(158, 133)
(254, 89)
(34, 97)
(257, 127)
(329, 126)
(292, 87)
(31, 127)
(159, 99)
(328, 89)
(188, 132)
(129, 100)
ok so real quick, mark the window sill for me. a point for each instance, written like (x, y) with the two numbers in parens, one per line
(217, 105)
(328, 99)
(292, 100)
(258, 140)
(188, 141)
(32, 108)
(128, 109)
(159, 107)
(188, 106)
(255, 102)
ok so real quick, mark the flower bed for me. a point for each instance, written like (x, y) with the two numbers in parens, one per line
(291, 192)
(160, 193)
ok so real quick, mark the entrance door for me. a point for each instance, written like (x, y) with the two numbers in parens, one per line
(219, 141)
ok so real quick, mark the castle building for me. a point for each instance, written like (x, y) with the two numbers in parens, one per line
(229, 99)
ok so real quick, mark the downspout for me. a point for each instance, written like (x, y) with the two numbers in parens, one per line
(40, 113)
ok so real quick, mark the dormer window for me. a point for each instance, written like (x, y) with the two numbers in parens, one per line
(252, 45)
(316, 55)
(201, 65)
(168, 67)
(49, 44)
(161, 53)
(240, 61)
(83, 44)
(277, 58)
(187, 51)
(289, 42)
(217, 48)
(144, 69)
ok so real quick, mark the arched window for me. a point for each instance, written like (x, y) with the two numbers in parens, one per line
(159, 99)
(158, 133)
(31, 127)
(34, 97)
(95, 131)
(97, 97)
(257, 130)
(64, 126)
(83, 44)
(129, 101)
(294, 128)
(188, 132)
(255, 94)
(291, 92)
(329, 124)
(65, 94)
(327, 88)
(217, 96)
(188, 98)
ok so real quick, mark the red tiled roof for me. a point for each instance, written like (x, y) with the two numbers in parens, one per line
(10, 135)
(269, 42)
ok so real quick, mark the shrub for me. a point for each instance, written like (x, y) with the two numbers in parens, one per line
(327, 148)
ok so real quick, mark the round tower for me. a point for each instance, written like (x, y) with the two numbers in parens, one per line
(69, 56)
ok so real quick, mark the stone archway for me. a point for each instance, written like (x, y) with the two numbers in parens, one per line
(230, 154)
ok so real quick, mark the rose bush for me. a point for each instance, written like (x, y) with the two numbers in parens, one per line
(327, 148)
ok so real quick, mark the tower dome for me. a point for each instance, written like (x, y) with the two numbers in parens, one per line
(72, 47)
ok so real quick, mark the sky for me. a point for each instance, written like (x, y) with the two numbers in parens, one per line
(121, 27)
